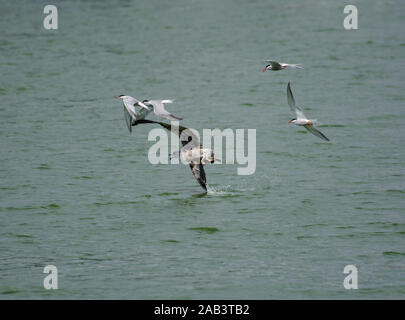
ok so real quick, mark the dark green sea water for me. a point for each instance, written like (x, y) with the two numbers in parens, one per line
(77, 190)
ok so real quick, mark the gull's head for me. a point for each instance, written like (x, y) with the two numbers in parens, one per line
(292, 120)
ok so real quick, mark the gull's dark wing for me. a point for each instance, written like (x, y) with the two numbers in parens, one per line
(188, 139)
(316, 132)
(198, 171)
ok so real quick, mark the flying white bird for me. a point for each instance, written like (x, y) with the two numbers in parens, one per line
(275, 66)
(130, 113)
(159, 109)
(301, 119)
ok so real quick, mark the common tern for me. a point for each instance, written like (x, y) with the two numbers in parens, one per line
(275, 66)
(301, 119)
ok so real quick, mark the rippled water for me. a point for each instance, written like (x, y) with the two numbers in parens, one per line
(77, 190)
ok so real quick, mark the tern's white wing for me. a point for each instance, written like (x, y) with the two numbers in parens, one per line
(297, 66)
(129, 104)
(290, 98)
(299, 113)
(316, 132)
(159, 110)
(128, 119)
(291, 103)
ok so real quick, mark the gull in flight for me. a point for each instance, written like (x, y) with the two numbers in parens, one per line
(300, 119)
(159, 109)
(130, 113)
(192, 151)
(275, 66)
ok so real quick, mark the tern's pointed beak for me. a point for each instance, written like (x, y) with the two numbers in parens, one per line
(117, 97)
(265, 69)
(290, 121)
